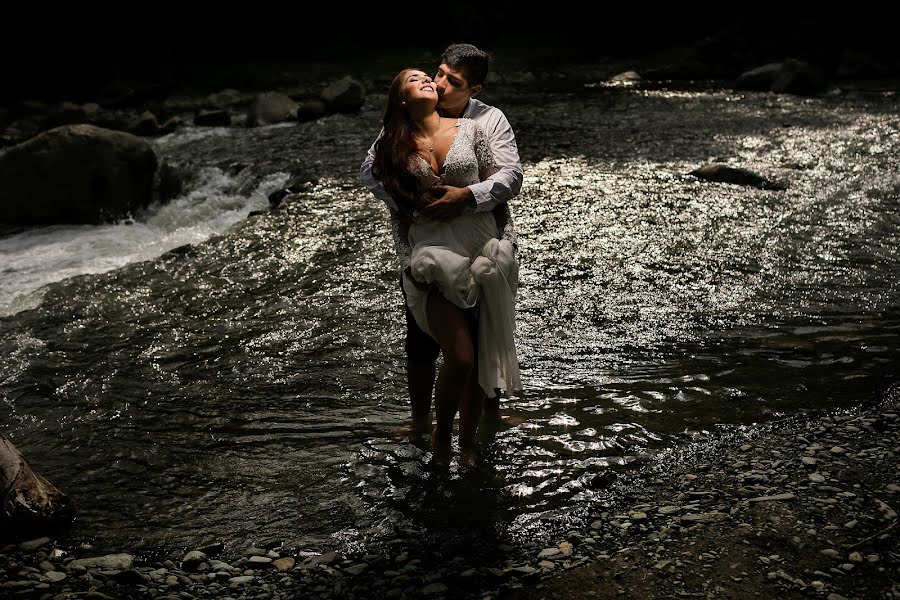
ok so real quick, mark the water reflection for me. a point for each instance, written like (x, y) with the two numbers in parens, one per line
(246, 389)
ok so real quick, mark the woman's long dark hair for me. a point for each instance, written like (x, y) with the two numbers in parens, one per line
(395, 148)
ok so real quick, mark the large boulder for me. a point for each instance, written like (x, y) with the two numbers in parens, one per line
(799, 78)
(75, 174)
(346, 95)
(790, 76)
(759, 79)
(271, 107)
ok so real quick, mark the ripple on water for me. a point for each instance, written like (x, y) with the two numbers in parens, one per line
(249, 389)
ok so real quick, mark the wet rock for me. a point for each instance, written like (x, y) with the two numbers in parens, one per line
(271, 107)
(97, 174)
(118, 562)
(345, 95)
(722, 173)
(192, 560)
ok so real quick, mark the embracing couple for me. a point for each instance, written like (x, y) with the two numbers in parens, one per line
(446, 165)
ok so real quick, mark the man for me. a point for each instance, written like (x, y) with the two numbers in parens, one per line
(460, 77)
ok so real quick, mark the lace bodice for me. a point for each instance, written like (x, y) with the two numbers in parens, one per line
(468, 155)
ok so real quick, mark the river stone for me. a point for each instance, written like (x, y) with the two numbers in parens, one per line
(110, 562)
(34, 544)
(434, 589)
(283, 564)
(344, 95)
(78, 174)
(192, 560)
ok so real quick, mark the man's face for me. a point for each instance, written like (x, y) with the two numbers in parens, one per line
(453, 89)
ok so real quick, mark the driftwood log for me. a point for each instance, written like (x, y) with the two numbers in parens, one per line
(31, 504)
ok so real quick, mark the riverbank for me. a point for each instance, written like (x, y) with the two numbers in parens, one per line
(797, 509)
(792, 508)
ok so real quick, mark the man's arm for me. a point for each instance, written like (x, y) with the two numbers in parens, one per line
(505, 183)
(373, 185)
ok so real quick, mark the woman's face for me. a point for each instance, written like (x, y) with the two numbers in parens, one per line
(418, 87)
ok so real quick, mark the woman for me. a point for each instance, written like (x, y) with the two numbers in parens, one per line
(459, 273)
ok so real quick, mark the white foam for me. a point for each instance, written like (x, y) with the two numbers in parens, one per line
(36, 257)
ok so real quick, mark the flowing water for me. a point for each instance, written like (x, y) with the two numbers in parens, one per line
(246, 388)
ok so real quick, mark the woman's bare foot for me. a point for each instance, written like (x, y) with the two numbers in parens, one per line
(492, 422)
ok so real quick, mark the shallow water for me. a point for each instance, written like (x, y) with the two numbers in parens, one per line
(246, 389)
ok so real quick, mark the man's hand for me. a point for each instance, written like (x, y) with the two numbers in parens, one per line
(446, 202)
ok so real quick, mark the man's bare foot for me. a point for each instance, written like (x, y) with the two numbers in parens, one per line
(413, 430)
(440, 450)
(468, 457)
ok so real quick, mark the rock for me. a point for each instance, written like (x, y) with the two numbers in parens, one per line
(118, 562)
(356, 569)
(776, 497)
(53, 576)
(192, 559)
(709, 517)
(34, 544)
(722, 173)
(759, 79)
(29, 502)
(790, 76)
(433, 589)
(627, 77)
(344, 95)
(311, 110)
(76, 174)
(271, 107)
(799, 78)
(283, 565)
(886, 511)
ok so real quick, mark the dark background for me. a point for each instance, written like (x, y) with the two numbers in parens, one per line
(51, 55)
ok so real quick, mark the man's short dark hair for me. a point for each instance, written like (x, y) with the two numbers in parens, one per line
(468, 57)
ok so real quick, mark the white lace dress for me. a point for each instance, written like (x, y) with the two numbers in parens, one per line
(469, 264)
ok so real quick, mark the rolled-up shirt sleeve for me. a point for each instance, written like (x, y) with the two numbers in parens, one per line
(505, 183)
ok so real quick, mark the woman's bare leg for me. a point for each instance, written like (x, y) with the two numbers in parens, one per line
(451, 330)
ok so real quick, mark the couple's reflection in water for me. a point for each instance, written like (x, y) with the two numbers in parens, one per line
(439, 511)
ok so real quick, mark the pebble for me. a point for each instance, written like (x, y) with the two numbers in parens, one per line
(770, 496)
